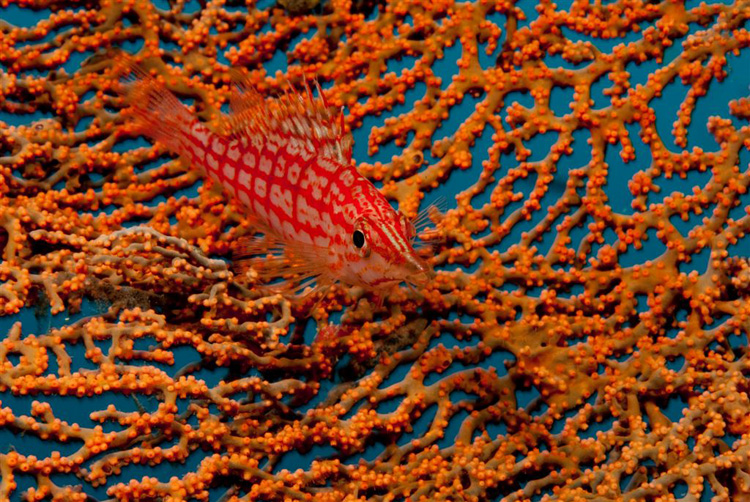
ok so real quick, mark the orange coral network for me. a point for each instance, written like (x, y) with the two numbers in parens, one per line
(571, 347)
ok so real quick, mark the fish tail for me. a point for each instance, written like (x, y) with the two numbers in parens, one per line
(155, 112)
(159, 115)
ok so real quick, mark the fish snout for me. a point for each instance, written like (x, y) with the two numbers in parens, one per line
(418, 271)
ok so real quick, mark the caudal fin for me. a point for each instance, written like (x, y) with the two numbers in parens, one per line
(154, 110)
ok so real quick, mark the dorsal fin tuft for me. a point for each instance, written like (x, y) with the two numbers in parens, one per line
(295, 114)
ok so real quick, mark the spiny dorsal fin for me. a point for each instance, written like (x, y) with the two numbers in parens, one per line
(302, 116)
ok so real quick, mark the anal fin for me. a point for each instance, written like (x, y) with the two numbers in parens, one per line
(280, 266)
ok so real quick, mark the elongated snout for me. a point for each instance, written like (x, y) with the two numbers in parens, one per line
(418, 271)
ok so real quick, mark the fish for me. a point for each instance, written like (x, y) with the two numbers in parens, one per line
(288, 161)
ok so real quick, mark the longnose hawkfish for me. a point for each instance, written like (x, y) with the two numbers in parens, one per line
(288, 160)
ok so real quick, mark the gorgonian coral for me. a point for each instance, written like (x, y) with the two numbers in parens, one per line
(577, 301)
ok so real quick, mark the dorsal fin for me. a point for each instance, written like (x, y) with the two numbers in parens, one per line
(311, 120)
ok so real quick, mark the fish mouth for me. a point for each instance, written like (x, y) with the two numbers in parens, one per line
(418, 272)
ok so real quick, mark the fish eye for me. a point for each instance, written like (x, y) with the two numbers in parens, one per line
(358, 238)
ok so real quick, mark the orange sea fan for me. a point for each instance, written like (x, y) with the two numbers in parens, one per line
(585, 337)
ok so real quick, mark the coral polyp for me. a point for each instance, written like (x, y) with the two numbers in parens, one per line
(585, 336)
